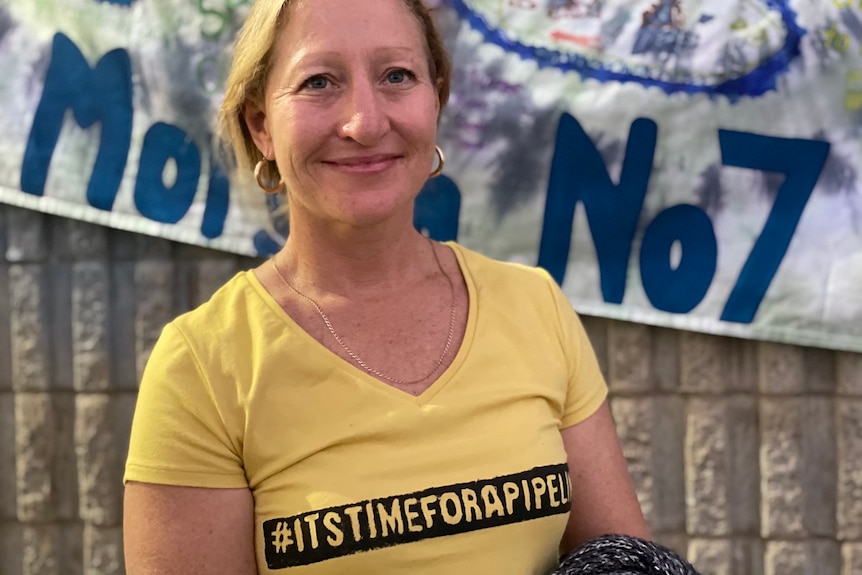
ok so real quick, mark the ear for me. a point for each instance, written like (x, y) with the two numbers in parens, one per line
(255, 119)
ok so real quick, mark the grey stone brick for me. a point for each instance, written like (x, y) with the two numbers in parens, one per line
(153, 248)
(75, 240)
(820, 372)
(8, 502)
(747, 556)
(40, 327)
(101, 443)
(122, 245)
(3, 231)
(629, 367)
(785, 558)
(193, 253)
(212, 273)
(49, 549)
(35, 447)
(825, 557)
(46, 484)
(849, 493)
(26, 236)
(64, 467)
(667, 441)
(676, 542)
(597, 331)
(183, 285)
(851, 558)
(781, 368)
(71, 550)
(743, 492)
(802, 558)
(703, 363)
(90, 336)
(11, 543)
(742, 366)
(706, 474)
(665, 358)
(128, 246)
(247, 263)
(732, 556)
(40, 550)
(5, 335)
(29, 327)
(712, 556)
(781, 466)
(123, 303)
(819, 467)
(849, 373)
(60, 315)
(103, 550)
(154, 288)
(634, 422)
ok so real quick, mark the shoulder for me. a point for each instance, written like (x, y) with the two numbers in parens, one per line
(512, 292)
(213, 342)
(227, 309)
(215, 332)
(500, 274)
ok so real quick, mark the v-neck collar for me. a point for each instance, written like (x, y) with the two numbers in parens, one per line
(356, 372)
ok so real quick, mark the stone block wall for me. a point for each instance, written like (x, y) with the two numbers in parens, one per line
(747, 456)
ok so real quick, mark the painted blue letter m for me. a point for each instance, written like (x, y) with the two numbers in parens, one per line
(102, 94)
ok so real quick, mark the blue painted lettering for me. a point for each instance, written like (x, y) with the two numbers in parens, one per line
(578, 173)
(153, 198)
(801, 161)
(679, 289)
(103, 95)
(437, 209)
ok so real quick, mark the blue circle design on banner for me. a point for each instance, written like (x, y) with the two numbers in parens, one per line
(660, 35)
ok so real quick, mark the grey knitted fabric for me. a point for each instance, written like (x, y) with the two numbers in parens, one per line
(623, 555)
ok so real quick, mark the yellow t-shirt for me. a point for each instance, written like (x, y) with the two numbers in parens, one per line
(351, 475)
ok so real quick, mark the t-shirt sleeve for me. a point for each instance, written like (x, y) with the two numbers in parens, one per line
(179, 436)
(586, 386)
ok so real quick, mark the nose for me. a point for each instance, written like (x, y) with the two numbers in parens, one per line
(366, 118)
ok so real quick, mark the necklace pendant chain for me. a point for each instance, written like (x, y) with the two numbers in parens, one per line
(358, 360)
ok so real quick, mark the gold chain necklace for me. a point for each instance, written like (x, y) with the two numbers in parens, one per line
(353, 355)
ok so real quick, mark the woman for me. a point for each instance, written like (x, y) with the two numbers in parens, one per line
(367, 401)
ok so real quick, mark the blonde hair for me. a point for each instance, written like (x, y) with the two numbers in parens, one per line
(252, 60)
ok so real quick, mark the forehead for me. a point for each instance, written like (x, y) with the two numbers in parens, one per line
(348, 26)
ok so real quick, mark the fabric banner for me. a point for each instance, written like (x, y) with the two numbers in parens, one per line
(687, 163)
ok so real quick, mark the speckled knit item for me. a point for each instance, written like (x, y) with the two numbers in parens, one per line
(623, 555)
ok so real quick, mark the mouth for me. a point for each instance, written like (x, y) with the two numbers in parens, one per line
(364, 164)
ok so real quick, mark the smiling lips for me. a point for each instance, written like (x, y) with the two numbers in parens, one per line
(365, 164)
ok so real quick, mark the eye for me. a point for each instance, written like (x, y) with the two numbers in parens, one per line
(399, 76)
(316, 83)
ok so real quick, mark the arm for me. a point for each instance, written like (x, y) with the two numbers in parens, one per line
(603, 498)
(170, 530)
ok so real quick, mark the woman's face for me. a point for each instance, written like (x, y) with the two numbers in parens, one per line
(350, 112)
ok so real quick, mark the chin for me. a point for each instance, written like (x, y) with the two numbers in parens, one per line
(370, 218)
(375, 213)
(371, 206)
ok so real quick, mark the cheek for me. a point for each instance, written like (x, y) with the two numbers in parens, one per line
(295, 132)
(424, 125)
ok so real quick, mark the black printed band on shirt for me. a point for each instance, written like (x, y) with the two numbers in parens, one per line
(436, 512)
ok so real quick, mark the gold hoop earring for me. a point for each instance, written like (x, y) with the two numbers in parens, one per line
(269, 189)
(440, 163)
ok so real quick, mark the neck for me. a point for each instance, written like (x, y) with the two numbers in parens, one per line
(344, 259)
